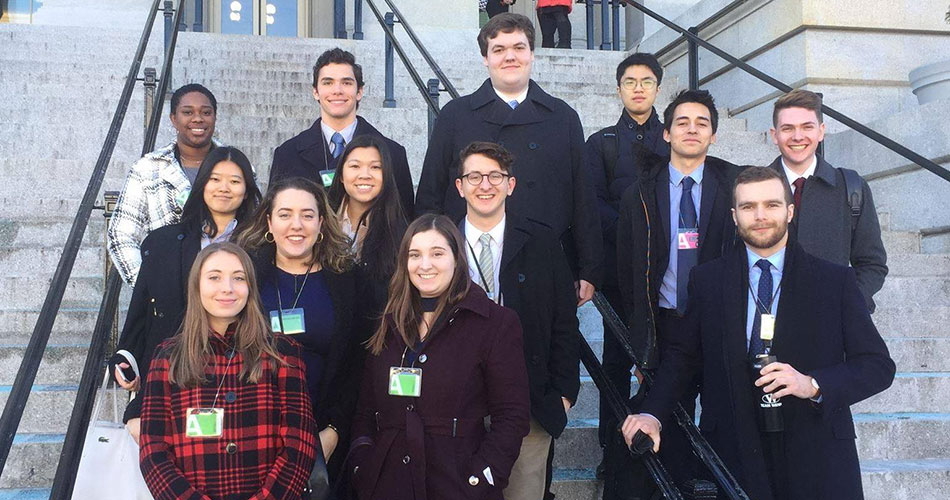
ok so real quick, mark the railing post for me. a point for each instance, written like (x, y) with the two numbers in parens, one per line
(615, 7)
(339, 18)
(358, 19)
(149, 83)
(821, 145)
(168, 10)
(433, 88)
(390, 100)
(604, 25)
(109, 200)
(198, 27)
(693, 54)
(589, 6)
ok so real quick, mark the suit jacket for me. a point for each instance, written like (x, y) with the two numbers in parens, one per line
(823, 227)
(536, 283)
(428, 448)
(823, 329)
(159, 297)
(340, 381)
(643, 241)
(305, 155)
(546, 138)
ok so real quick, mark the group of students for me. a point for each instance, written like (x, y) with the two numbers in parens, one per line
(437, 357)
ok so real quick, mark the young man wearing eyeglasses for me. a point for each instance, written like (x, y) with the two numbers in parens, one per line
(520, 265)
(614, 158)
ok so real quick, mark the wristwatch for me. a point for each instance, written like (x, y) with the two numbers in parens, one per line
(814, 383)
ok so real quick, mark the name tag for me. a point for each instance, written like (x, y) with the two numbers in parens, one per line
(327, 177)
(182, 197)
(293, 321)
(687, 238)
(204, 422)
(767, 326)
(406, 382)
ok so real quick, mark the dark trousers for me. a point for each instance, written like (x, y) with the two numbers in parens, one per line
(554, 19)
(626, 477)
(495, 7)
(617, 367)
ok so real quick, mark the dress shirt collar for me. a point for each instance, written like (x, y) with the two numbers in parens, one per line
(508, 98)
(676, 177)
(472, 233)
(347, 132)
(777, 259)
(792, 176)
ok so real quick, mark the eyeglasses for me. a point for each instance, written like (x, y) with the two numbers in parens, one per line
(494, 178)
(631, 83)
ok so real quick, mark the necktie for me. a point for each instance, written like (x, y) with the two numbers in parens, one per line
(685, 258)
(764, 305)
(337, 140)
(799, 184)
(485, 264)
(513, 103)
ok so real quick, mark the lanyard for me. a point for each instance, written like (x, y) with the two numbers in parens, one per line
(759, 306)
(299, 292)
(228, 366)
(481, 274)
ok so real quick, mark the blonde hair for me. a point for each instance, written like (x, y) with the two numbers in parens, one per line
(253, 339)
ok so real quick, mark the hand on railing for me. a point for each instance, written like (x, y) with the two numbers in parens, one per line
(641, 432)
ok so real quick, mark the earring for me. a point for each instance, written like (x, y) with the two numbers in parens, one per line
(269, 237)
(319, 237)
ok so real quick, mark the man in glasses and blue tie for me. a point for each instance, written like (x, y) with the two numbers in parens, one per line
(520, 265)
(674, 216)
(542, 132)
(784, 429)
(313, 154)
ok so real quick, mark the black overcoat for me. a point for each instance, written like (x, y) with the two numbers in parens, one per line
(159, 297)
(305, 155)
(545, 137)
(435, 447)
(823, 329)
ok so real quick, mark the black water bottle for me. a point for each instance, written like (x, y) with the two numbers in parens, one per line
(770, 408)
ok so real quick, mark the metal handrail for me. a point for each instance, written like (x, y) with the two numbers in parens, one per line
(20, 392)
(433, 106)
(726, 481)
(69, 458)
(862, 129)
(705, 23)
(425, 53)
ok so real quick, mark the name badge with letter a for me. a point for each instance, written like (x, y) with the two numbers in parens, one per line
(687, 238)
(405, 382)
(204, 422)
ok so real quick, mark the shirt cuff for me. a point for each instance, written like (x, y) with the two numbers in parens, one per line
(658, 423)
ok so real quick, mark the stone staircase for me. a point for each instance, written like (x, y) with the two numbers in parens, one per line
(54, 115)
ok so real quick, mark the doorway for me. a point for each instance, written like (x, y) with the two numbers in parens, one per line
(283, 18)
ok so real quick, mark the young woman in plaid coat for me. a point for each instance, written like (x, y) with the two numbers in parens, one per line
(226, 413)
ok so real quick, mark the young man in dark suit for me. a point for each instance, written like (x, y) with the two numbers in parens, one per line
(825, 224)
(541, 131)
(770, 297)
(662, 234)
(612, 160)
(520, 265)
(313, 153)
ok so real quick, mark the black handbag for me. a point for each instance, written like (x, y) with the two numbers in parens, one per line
(318, 485)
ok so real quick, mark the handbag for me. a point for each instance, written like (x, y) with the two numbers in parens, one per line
(109, 452)
(318, 484)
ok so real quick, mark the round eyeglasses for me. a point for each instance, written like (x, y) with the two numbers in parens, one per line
(631, 83)
(494, 178)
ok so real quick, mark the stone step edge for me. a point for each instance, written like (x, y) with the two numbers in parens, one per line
(593, 423)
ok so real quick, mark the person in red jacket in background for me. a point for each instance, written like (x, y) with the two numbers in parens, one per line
(552, 16)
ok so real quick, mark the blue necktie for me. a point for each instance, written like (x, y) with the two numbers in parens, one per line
(513, 103)
(685, 258)
(756, 344)
(337, 140)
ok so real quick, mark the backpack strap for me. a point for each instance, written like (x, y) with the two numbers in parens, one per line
(611, 151)
(855, 193)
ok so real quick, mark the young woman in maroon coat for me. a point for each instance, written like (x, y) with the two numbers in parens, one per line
(444, 358)
(226, 412)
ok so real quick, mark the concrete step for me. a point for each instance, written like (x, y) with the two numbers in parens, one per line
(61, 364)
(917, 291)
(25, 494)
(50, 407)
(30, 291)
(911, 392)
(72, 325)
(32, 461)
(912, 320)
(30, 261)
(918, 266)
(48, 232)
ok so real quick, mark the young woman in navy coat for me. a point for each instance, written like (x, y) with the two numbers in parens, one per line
(469, 350)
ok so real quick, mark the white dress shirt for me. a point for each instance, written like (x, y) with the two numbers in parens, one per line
(328, 132)
(792, 176)
(472, 235)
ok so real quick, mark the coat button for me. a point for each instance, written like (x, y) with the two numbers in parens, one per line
(521, 278)
(230, 397)
(472, 480)
(161, 315)
(231, 448)
(405, 459)
(533, 146)
(630, 126)
(145, 253)
(230, 353)
(178, 212)
(180, 236)
(639, 137)
(410, 408)
(423, 358)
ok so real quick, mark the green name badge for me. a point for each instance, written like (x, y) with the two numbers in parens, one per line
(406, 382)
(327, 177)
(293, 320)
(182, 197)
(204, 422)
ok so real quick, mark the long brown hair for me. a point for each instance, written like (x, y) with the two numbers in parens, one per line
(191, 347)
(404, 308)
(332, 251)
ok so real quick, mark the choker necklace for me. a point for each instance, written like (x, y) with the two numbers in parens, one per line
(429, 304)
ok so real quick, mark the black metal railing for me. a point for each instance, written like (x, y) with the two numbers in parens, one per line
(92, 370)
(691, 36)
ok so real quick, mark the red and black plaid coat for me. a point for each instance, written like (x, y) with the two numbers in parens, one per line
(267, 447)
